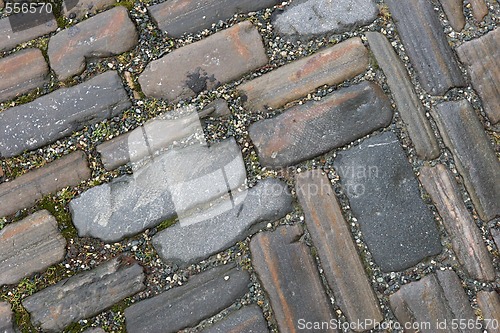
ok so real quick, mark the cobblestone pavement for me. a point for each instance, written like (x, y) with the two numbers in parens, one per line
(250, 166)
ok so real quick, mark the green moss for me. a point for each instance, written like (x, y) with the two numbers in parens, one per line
(167, 223)
(129, 4)
(56, 206)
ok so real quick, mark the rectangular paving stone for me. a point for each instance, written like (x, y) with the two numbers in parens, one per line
(177, 17)
(248, 319)
(454, 13)
(29, 246)
(106, 34)
(13, 37)
(481, 56)
(290, 277)
(58, 114)
(171, 184)
(203, 296)
(383, 194)
(409, 106)
(496, 236)
(184, 244)
(314, 128)
(84, 294)
(206, 64)
(117, 151)
(26, 189)
(315, 17)
(425, 43)
(434, 299)
(474, 156)
(78, 9)
(340, 260)
(6, 316)
(21, 72)
(479, 9)
(466, 238)
(295, 80)
(489, 303)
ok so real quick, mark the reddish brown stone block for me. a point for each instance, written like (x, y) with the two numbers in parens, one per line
(489, 303)
(454, 12)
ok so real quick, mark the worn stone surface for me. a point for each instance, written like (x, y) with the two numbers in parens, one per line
(94, 330)
(409, 106)
(496, 237)
(78, 9)
(313, 17)
(159, 133)
(466, 238)
(25, 190)
(6, 315)
(21, 72)
(170, 184)
(314, 128)
(248, 319)
(290, 277)
(177, 17)
(58, 114)
(340, 260)
(11, 39)
(383, 193)
(292, 81)
(481, 56)
(268, 201)
(106, 34)
(475, 158)
(201, 297)
(85, 294)
(28, 246)
(218, 59)
(489, 303)
(455, 13)
(429, 52)
(479, 9)
(435, 298)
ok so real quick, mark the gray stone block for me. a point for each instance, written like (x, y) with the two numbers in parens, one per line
(58, 114)
(248, 319)
(383, 193)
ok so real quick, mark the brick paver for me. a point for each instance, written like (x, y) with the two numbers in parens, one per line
(314, 128)
(177, 17)
(28, 246)
(249, 319)
(314, 17)
(106, 34)
(85, 294)
(58, 114)
(173, 183)
(6, 317)
(409, 106)
(25, 190)
(11, 38)
(21, 72)
(203, 296)
(218, 59)
(155, 135)
(295, 80)
(466, 238)
(476, 161)
(489, 303)
(384, 197)
(454, 12)
(183, 244)
(337, 251)
(289, 275)
(430, 54)
(77, 9)
(482, 56)
(436, 298)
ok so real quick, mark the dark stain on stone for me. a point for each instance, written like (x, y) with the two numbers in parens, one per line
(198, 80)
